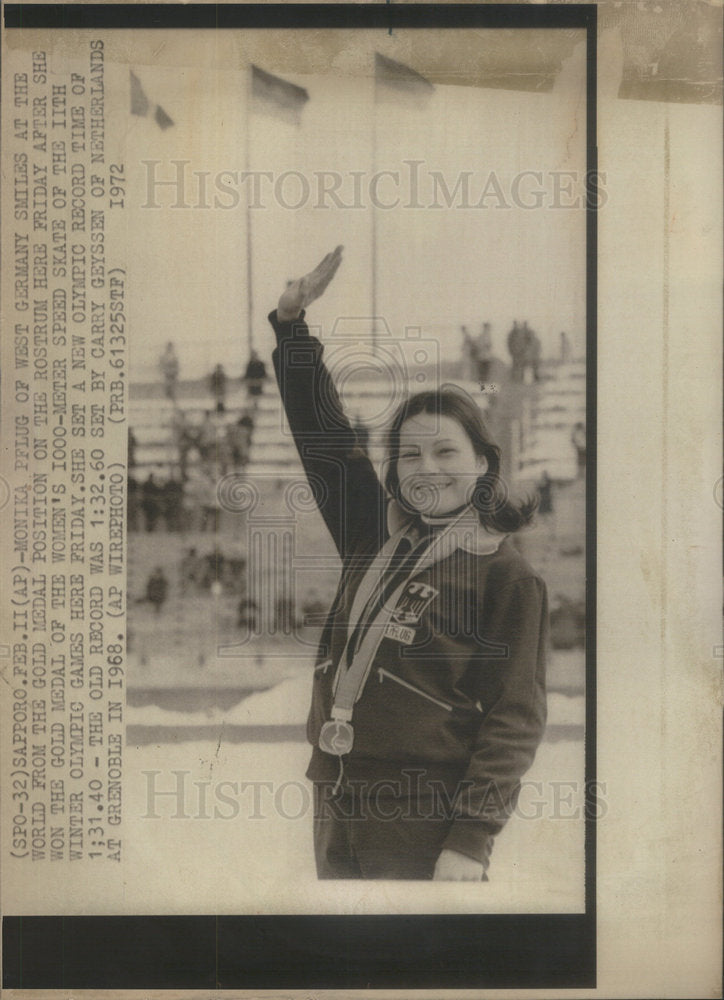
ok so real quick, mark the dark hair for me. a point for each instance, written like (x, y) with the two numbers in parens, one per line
(490, 496)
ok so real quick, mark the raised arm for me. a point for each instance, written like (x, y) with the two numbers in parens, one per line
(303, 291)
(349, 494)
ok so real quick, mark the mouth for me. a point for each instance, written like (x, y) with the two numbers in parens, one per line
(425, 493)
(430, 484)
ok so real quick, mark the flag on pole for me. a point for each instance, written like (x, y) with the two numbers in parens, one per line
(140, 105)
(278, 98)
(163, 120)
(395, 82)
(139, 101)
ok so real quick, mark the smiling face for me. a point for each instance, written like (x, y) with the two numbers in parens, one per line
(437, 465)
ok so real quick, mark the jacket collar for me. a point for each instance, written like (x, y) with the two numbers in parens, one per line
(474, 538)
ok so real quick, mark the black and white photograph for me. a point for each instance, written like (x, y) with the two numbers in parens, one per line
(344, 478)
(357, 474)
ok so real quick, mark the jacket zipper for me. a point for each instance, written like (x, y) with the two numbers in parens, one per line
(382, 673)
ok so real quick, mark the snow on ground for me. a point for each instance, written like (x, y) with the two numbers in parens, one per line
(284, 704)
(565, 710)
(257, 856)
(211, 827)
(287, 704)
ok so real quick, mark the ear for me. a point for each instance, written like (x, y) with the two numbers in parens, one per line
(482, 465)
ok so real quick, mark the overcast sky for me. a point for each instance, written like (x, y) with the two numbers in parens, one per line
(436, 267)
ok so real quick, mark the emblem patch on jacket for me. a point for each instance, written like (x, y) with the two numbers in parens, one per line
(400, 633)
(414, 599)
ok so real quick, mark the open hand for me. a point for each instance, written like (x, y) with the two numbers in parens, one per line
(454, 867)
(298, 294)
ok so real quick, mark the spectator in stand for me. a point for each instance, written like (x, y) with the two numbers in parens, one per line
(545, 492)
(170, 367)
(133, 504)
(217, 384)
(532, 358)
(254, 376)
(525, 348)
(188, 507)
(195, 491)
(247, 420)
(517, 348)
(484, 352)
(151, 502)
(223, 458)
(210, 509)
(235, 573)
(183, 438)
(238, 440)
(214, 566)
(578, 438)
(469, 352)
(190, 571)
(546, 510)
(132, 445)
(242, 585)
(157, 589)
(206, 439)
(565, 347)
(248, 615)
(172, 495)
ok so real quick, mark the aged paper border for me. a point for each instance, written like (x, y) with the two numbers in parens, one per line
(648, 916)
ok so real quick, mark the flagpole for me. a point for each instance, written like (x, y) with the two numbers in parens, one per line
(247, 167)
(403, 84)
(374, 221)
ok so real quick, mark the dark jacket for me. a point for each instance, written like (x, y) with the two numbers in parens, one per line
(457, 710)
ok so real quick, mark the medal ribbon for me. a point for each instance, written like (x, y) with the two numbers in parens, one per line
(337, 735)
(404, 556)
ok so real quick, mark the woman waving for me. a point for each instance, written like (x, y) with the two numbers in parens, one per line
(428, 702)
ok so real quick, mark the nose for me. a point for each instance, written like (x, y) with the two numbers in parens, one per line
(427, 464)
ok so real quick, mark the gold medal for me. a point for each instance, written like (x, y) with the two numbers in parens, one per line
(336, 737)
